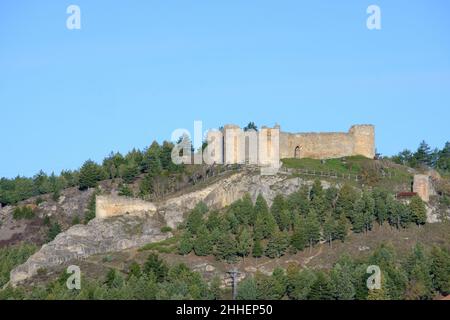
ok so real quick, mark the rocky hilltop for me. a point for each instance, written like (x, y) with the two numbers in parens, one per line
(136, 228)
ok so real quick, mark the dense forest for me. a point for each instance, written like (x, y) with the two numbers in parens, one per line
(294, 223)
(421, 274)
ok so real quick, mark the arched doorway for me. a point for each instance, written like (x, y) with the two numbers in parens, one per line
(297, 152)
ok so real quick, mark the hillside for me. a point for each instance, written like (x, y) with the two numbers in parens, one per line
(118, 242)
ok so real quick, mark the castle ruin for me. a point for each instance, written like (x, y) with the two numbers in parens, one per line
(232, 145)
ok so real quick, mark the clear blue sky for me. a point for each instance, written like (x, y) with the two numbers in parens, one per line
(137, 70)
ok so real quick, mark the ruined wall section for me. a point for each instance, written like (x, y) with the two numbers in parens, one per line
(110, 206)
(360, 140)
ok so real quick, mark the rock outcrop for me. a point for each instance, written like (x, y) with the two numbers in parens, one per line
(98, 236)
(138, 227)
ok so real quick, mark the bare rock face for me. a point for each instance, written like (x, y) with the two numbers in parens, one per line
(98, 236)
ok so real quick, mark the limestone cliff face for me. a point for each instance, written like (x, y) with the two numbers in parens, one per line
(98, 236)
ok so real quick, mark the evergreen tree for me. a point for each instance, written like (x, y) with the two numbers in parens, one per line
(329, 229)
(247, 289)
(246, 212)
(440, 268)
(134, 270)
(418, 268)
(299, 282)
(330, 198)
(316, 190)
(258, 250)
(146, 185)
(154, 265)
(423, 154)
(278, 245)
(128, 172)
(342, 283)
(346, 199)
(381, 209)
(277, 208)
(90, 174)
(285, 222)
(342, 228)
(312, 227)
(53, 231)
(124, 190)
(244, 244)
(251, 126)
(151, 160)
(202, 243)
(195, 218)
(418, 211)
(226, 248)
(358, 216)
(299, 237)
(299, 201)
(321, 289)
(265, 225)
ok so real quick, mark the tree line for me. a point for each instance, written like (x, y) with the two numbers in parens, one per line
(292, 223)
(425, 156)
(422, 274)
(152, 162)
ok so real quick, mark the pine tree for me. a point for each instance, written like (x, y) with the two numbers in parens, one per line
(261, 208)
(423, 154)
(329, 229)
(124, 190)
(299, 201)
(342, 283)
(278, 245)
(90, 174)
(321, 289)
(202, 244)
(247, 289)
(347, 196)
(418, 211)
(195, 218)
(299, 237)
(277, 208)
(342, 228)
(258, 250)
(244, 243)
(316, 190)
(265, 225)
(146, 185)
(154, 265)
(285, 220)
(440, 268)
(312, 228)
(226, 248)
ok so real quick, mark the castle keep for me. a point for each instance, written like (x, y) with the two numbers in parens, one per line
(269, 145)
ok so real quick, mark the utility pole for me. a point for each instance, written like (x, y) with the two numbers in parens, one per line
(234, 273)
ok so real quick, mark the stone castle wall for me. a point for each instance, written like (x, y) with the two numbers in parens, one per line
(359, 140)
(110, 206)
